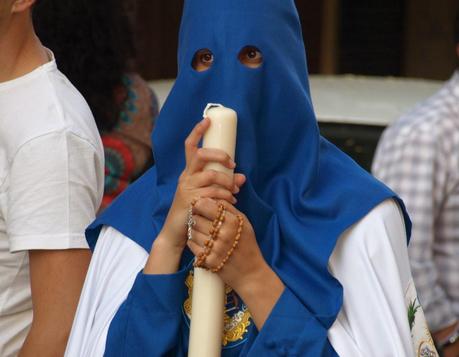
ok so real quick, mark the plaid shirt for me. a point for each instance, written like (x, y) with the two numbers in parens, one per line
(418, 157)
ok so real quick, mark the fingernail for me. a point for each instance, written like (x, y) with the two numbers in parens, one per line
(232, 164)
(236, 189)
(234, 200)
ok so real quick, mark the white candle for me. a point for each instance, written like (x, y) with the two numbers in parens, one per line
(207, 310)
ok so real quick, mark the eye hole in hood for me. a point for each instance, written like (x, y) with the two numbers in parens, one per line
(251, 57)
(203, 59)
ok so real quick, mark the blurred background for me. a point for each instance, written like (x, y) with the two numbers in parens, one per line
(410, 38)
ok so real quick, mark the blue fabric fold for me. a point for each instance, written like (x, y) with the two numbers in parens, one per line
(154, 304)
(291, 330)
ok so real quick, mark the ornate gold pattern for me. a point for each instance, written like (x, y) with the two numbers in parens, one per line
(426, 347)
(235, 326)
(426, 350)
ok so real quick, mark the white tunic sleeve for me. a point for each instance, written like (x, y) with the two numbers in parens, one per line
(111, 275)
(378, 317)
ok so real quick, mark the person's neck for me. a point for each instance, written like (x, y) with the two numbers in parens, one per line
(21, 49)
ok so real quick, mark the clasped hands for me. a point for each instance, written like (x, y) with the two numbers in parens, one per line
(208, 191)
(222, 238)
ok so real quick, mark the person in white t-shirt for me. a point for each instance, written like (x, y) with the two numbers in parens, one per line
(51, 185)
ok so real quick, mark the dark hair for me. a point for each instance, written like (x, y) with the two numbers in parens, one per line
(92, 42)
(456, 29)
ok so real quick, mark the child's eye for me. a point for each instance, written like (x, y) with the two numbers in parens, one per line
(203, 60)
(251, 56)
(207, 58)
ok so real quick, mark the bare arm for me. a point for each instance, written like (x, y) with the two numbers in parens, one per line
(451, 350)
(261, 293)
(56, 281)
(56, 188)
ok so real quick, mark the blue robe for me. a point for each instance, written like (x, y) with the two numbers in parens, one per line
(153, 322)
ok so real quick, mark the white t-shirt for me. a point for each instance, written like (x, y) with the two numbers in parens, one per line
(370, 261)
(51, 184)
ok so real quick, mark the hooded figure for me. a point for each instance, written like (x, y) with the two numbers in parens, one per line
(315, 224)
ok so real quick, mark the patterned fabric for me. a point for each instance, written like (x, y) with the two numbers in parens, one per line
(237, 320)
(418, 157)
(423, 342)
(128, 152)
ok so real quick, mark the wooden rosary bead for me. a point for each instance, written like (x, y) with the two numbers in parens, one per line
(218, 222)
(201, 258)
(213, 232)
(235, 244)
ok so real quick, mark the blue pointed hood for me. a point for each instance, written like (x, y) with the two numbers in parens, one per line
(301, 193)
